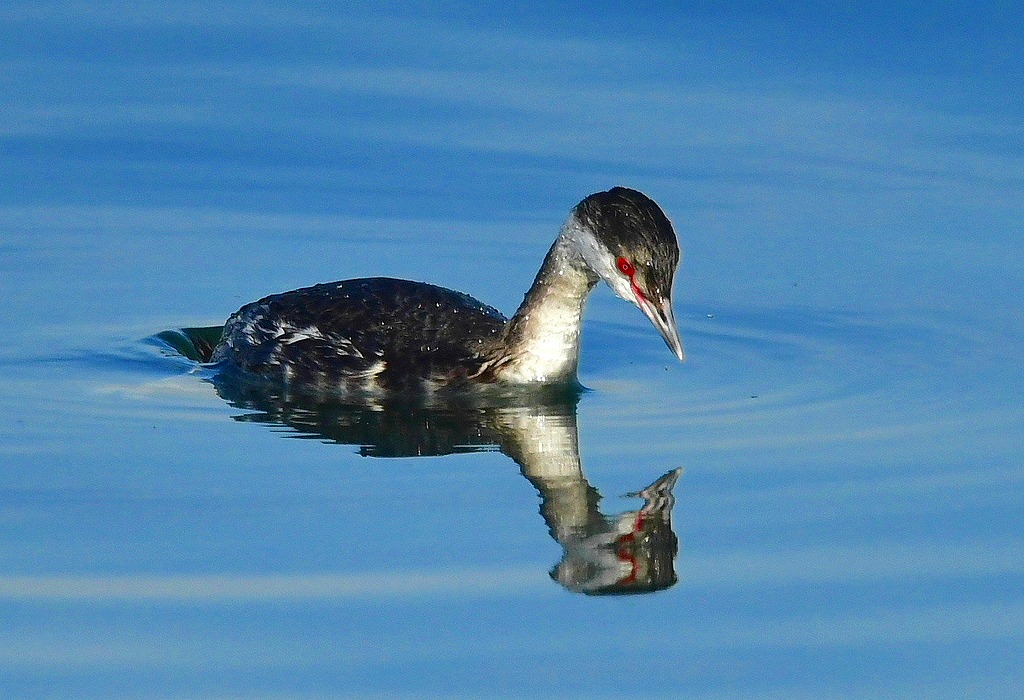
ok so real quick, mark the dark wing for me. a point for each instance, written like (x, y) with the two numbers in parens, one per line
(391, 332)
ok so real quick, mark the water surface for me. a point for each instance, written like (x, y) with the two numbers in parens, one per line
(843, 443)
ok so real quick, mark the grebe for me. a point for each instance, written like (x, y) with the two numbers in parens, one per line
(395, 335)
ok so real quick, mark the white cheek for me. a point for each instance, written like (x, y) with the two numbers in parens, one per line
(622, 287)
(598, 259)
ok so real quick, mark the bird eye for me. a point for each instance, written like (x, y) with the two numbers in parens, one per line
(626, 267)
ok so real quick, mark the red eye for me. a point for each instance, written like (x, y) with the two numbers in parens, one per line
(626, 267)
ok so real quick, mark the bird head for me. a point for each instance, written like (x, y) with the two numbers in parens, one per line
(627, 240)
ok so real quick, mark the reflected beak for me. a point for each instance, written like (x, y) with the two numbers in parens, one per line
(664, 320)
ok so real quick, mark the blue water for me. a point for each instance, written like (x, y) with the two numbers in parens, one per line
(848, 425)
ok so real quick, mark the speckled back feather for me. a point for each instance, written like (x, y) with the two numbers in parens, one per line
(377, 333)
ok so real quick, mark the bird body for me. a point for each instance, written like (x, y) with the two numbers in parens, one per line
(383, 334)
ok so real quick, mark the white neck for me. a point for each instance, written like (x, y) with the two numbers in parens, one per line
(542, 340)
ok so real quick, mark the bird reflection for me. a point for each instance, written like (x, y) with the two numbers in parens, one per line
(630, 552)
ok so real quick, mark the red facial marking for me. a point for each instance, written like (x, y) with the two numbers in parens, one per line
(627, 268)
(625, 556)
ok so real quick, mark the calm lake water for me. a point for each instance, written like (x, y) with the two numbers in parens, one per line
(824, 501)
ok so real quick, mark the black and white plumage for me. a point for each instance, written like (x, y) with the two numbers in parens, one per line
(383, 334)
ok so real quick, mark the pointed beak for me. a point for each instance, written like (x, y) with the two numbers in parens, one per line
(664, 320)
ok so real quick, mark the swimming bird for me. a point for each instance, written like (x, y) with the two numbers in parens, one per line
(392, 335)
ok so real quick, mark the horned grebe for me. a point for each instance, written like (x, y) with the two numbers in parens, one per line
(395, 335)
